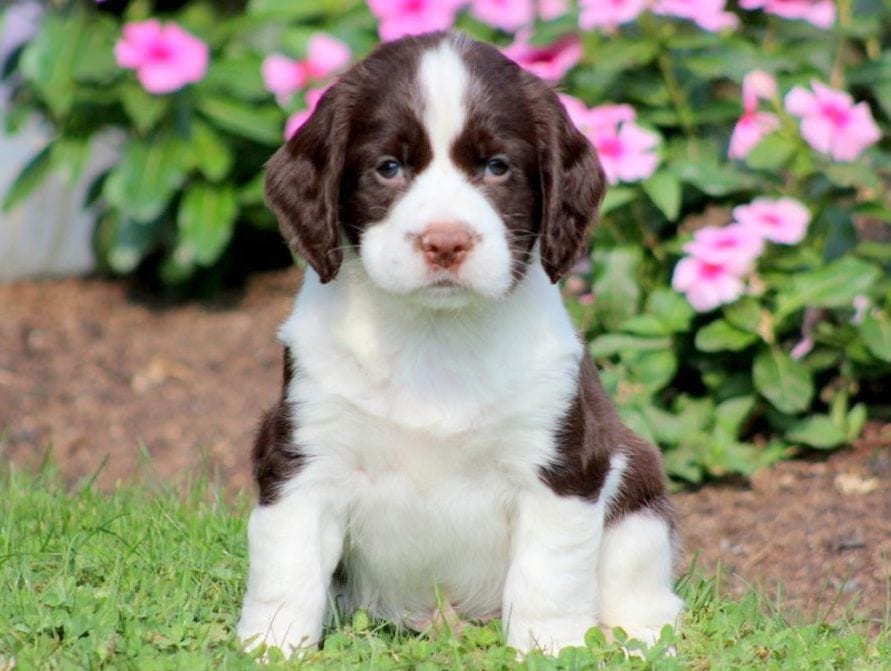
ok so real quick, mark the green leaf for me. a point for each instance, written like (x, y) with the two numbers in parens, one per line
(664, 189)
(730, 414)
(875, 329)
(831, 286)
(744, 314)
(263, 124)
(615, 284)
(615, 198)
(143, 108)
(30, 177)
(644, 325)
(854, 422)
(125, 242)
(205, 221)
(148, 175)
(70, 156)
(772, 153)
(720, 336)
(786, 383)
(816, 431)
(65, 49)
(616, 343)
(213, 156)
(671, 309)
(654, 369)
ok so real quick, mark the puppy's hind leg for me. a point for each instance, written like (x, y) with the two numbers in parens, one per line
(635, 576)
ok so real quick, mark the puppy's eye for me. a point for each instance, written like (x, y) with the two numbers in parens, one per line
(389, 168)
(496, 167)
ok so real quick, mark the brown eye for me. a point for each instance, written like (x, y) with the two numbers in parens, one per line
(389, 168)
(496, 167)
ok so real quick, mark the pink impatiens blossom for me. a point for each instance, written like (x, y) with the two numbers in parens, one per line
(608, 14)
(820, 13)
(707, 14)
(166, 57)
(753, 125)
(549, 10)
(509, 15)
(325, 55)
(784, 220)
(551, 61)
(283, 76)
(831, 122)
(735, 246)
(626, 151)
(412, 17)
(706, 285)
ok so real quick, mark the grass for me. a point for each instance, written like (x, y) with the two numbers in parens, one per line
(151, 578)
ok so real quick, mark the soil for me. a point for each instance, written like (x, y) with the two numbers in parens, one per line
(143, 391)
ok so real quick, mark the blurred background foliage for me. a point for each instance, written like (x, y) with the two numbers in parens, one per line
(720, 390)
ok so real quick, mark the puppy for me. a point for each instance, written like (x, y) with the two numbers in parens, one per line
(442, 435)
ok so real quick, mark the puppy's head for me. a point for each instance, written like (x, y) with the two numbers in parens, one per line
(441, 163)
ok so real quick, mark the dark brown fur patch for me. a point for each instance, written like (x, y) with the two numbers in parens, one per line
(590, 434)
(275, 457)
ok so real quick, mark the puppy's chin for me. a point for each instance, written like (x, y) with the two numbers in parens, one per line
(446, 296)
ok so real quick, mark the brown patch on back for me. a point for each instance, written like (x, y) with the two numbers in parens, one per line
(590, 434)
(275, 458)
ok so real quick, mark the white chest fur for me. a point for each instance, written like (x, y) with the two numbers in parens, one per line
(426, 428)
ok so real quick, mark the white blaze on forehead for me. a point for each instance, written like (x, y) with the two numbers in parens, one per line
(444, 80)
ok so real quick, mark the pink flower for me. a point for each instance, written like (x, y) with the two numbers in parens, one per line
(283, 76)
(831, 122)
(608, 14)
(820, 13)
(326, 55)
(784, 220)
(758, 85)
(296, 120)
(707, 285)
(509, 15)
(707, 14)
(753, 125)
(549, 10)
(412, 17)
(166, 58)
(802, 348)
(626, 151)
(751, 128)
(550, 62)
(735, 246)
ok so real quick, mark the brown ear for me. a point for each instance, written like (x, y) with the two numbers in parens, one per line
(572, 183)
(303, 186)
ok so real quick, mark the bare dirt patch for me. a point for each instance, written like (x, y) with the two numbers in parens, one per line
(97, 375)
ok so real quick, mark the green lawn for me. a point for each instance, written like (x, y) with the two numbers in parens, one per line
(152, 578)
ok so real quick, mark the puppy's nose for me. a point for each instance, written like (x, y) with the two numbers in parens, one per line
(446, 244)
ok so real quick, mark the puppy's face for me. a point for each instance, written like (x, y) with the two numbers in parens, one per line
(441, 163)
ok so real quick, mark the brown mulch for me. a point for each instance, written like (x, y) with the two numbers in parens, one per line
(96, 374)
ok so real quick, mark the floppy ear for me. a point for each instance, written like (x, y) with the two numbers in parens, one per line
(572, 184)
(303, 186)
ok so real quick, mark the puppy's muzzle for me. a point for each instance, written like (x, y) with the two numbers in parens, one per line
(445, 245)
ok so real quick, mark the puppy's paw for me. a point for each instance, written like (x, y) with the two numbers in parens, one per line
(549, 636)
(276, 626)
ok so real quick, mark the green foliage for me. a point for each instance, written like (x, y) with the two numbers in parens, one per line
(152, 578)
(725, 391)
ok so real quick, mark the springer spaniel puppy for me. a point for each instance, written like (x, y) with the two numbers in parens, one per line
(442, 440)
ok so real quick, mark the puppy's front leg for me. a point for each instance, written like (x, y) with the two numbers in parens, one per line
(294, 546)
(550, 594)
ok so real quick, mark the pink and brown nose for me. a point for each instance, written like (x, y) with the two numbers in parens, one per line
(445, 245)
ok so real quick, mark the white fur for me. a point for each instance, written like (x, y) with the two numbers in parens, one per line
(634, 572)
(424, 432)
(441, 193)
